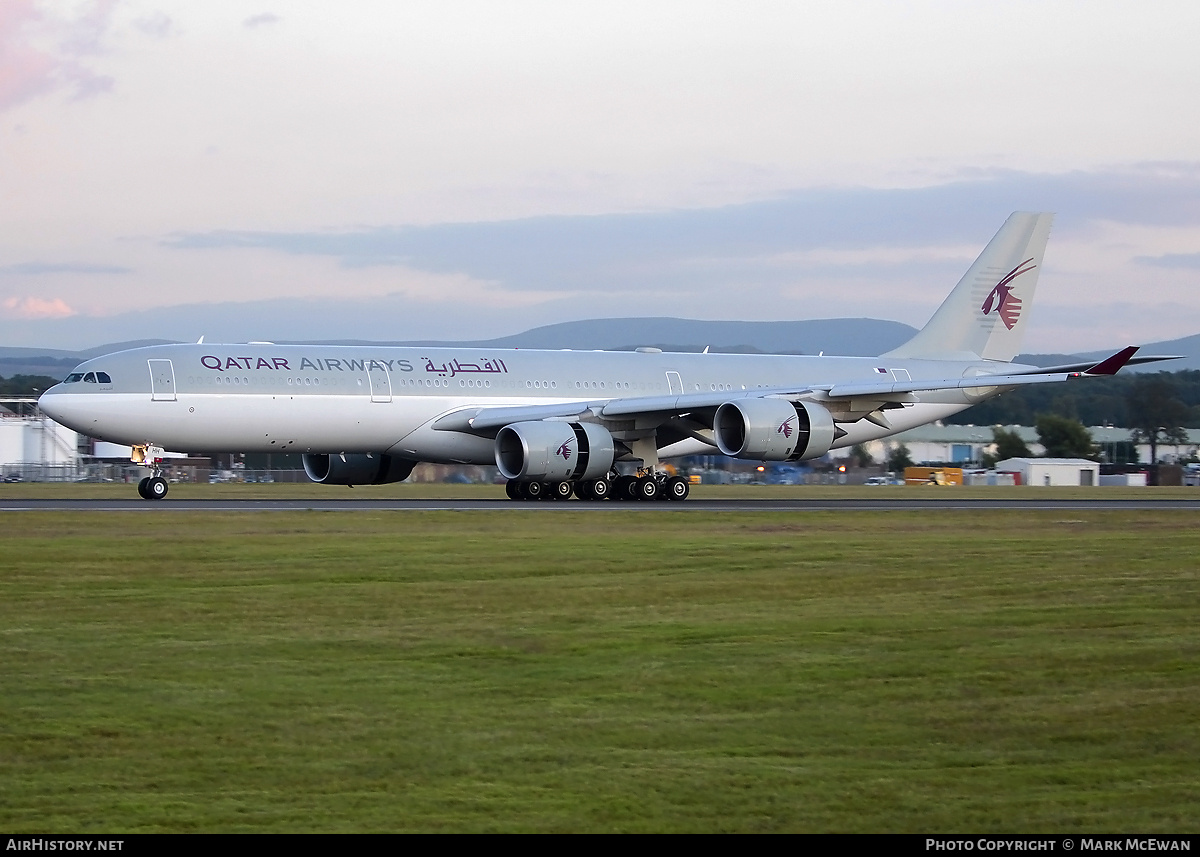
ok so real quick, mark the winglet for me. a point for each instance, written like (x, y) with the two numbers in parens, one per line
(1111, 365)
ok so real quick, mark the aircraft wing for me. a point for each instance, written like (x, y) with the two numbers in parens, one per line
(1108, 366)
(485, 419)
(488, 420)
(482, 419)
(895, 388)
(901, 391)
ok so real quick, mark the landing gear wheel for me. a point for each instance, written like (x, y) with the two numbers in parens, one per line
(534, 490)
(560, 490)
(647, 488)
(678, 488)
(513, 489)
(593, 489)
(600, 489)
(626, 488)
(156, 488)
(142, 488)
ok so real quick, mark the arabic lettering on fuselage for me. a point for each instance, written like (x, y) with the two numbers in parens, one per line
(458, 367)
(334, 364)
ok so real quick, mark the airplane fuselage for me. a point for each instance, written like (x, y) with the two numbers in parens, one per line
(207, 398)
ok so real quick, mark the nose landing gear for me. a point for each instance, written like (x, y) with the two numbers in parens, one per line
(153, 487)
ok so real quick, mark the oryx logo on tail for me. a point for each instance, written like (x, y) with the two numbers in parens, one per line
(1001, 297)
(786, 428)
(564, 451)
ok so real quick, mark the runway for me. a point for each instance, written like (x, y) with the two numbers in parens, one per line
(504, 505)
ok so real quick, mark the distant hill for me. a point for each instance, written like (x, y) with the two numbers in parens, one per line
(1188, 346)
(55, 367)
(848, 336)
(57, 362)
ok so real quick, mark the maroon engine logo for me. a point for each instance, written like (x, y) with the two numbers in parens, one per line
(785, 427)
(564, 451)
(1001, 298)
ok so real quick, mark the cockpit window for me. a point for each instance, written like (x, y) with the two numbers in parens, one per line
(89, 378)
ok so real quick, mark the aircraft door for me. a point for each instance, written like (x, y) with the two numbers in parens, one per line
(902, 375)
(162, 381)
(674, 383)
(380, 380)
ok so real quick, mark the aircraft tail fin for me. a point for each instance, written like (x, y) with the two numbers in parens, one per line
(985, 315)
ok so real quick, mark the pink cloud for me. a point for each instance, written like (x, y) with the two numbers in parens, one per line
(30, 307)
(24, 71)
(28, 70)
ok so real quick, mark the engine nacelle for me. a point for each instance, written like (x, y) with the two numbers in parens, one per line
(554, 451)
(358, 469)
(773, 429)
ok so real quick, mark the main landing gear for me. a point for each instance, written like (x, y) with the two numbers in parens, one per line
(645, 486)
(152, 487)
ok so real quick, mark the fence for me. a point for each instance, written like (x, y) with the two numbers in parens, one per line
(124, 472)
(179, 470)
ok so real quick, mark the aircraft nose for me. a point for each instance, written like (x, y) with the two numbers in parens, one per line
(47, 402)
(55, 404)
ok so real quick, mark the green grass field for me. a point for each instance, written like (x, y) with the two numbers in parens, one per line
(511, 670)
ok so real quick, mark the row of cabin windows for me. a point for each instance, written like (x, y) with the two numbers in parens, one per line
(89, 378)
(103, 378)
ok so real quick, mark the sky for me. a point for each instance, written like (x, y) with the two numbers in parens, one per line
(465, 170)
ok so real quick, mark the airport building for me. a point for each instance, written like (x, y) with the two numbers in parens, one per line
(1052, 471)
(951, 444)
(34, 447)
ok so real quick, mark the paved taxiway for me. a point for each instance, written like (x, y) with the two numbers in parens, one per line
(748, 505)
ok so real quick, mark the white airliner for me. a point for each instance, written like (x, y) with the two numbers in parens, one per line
(556, 422)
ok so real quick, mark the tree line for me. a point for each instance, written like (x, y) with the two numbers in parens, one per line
(1157, 408)
(1119, 400)
(26, 386)
(1060, 437)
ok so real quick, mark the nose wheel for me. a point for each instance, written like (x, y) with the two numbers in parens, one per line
(153, 487)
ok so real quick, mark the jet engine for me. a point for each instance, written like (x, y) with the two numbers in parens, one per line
(554, 451)
(773, 429)
(358, 469)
